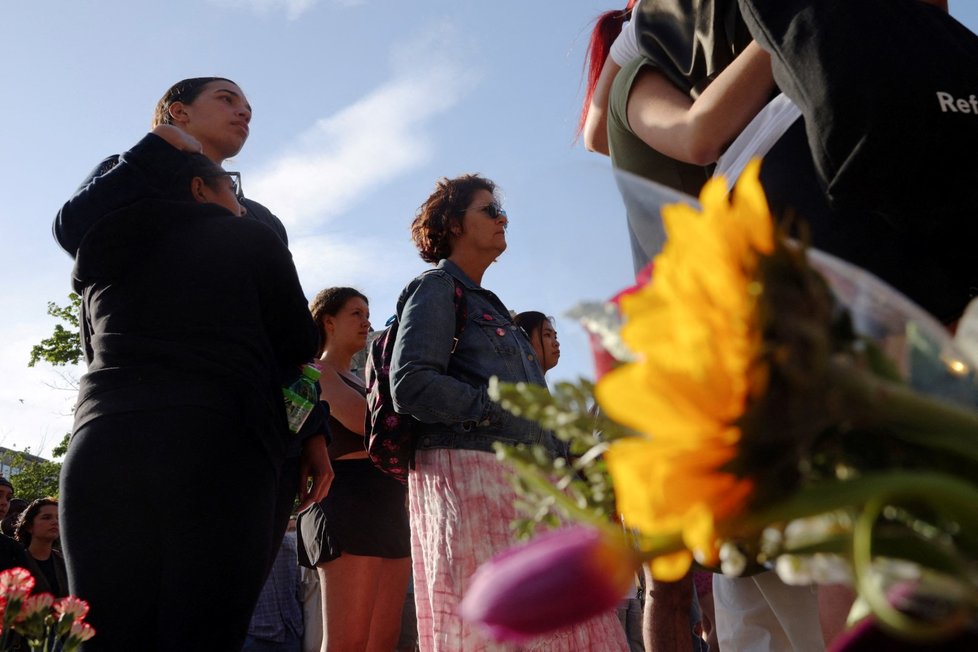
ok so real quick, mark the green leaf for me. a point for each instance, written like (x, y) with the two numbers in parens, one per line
(64, 345)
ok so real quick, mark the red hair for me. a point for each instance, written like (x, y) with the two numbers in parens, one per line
(607, 27)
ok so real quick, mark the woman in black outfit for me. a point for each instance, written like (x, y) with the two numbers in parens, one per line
(37, 530)
(189, 314)
(212, 116)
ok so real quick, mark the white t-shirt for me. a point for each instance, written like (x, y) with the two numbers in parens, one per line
(625, 48)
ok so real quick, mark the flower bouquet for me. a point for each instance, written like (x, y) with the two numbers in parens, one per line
(771, 408)
(44, 623)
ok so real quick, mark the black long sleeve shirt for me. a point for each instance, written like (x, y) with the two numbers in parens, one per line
(186, 304)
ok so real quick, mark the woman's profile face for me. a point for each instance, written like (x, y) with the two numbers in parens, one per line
(6, 493)
(218, 117)
(546, 345)
(483, 226)
(45, 525)
(350, 326)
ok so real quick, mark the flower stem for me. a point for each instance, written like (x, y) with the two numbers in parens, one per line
(944, 493)
(887, 615)
(909, 415)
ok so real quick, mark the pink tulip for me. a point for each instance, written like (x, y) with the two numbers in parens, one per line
(556, 580)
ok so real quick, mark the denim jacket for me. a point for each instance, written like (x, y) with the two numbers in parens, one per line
(447, 391)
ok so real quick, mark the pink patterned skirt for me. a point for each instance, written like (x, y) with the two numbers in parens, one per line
(461, 504)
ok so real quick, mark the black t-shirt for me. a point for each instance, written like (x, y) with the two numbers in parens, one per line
(47, 567)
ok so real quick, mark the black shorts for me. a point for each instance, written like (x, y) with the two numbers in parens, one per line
(365, 513)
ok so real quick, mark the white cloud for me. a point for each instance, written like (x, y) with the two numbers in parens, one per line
(325, 260)
(368, 264)
(374, 140)
(35, 403)
(293, 8)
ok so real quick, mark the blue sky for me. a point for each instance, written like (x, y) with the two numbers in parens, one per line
(359, 108)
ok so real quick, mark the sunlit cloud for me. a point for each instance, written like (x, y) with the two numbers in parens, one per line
(378, 138)
(35, 403)
(293, 9)
(327, 260)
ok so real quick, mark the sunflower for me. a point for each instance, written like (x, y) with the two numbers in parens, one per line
(694, 329)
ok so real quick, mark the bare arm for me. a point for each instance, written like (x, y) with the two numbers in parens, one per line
(596, 125)
(698, 132)
(665, 622)
(315, 472)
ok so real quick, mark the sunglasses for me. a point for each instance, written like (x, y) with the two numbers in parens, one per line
(236, 183)
(492, 210)
(235, 178)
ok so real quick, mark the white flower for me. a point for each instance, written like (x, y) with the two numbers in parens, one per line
(831, 569)
(793, 569)
(732, 560)
(813, 529)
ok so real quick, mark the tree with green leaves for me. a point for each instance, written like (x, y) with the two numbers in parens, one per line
(37, 477)
(64, 345)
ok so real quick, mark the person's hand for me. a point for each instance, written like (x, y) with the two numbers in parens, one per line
(314, 465)
(178, 138)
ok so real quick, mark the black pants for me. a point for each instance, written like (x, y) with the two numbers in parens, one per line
(168, 523)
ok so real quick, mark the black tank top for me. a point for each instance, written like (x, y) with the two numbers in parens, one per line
(345, 441)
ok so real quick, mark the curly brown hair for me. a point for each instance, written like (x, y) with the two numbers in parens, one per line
(432, 228)
(329, 302)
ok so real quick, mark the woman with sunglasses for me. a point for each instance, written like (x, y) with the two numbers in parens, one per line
(461, 502)
(189, 312)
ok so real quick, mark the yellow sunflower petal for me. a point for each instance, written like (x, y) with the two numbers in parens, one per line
(694, 331)
(671, 568)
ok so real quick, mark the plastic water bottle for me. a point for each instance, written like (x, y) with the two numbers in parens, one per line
(301, 396)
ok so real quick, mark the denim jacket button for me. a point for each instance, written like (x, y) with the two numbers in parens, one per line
(529, 356)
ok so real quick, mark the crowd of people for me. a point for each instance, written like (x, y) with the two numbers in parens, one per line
(193, 320)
